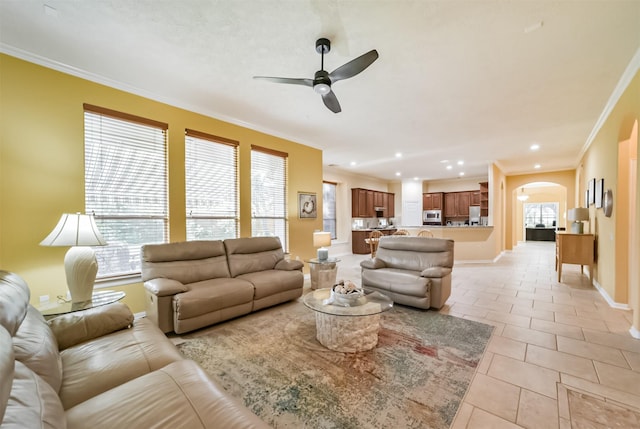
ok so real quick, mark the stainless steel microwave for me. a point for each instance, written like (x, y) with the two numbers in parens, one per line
(432, 216)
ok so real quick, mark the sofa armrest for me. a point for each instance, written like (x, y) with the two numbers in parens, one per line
(373, 263)
(74, 328)
(164, 287)
(289, 265)
(437, 272)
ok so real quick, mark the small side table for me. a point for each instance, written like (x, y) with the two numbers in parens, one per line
(323, 273)
(98, 298)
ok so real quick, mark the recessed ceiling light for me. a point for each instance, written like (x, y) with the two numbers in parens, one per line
(416, 178)
(398, 155)
(462, 173)
(445, 161)
(460, 162)
(537, 166)
(398, 173)
(533, 27)
(449, 167)
(534, 147)
(352, 163)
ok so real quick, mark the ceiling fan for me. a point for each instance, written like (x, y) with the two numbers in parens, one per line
(322, 81)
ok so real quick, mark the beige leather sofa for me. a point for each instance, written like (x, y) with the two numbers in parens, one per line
(414, 271)
(100, 368)
(193, 284)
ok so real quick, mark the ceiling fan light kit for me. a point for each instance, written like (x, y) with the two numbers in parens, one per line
(322, 81)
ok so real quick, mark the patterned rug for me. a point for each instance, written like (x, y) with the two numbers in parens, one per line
(415, 377)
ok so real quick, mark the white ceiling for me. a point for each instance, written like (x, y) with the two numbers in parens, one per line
(478, 81)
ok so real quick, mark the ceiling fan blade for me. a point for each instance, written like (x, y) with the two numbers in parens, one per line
(331, 101)
(354, 67)
(293, 81)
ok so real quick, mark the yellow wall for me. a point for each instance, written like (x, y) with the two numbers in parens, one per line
(601, 162)
(42, 168)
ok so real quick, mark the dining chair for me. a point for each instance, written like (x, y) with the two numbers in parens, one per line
(401, 232)
(425, 233)
(374, 239)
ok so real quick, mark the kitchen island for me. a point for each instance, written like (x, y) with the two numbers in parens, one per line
(472, 244)
(358, 236)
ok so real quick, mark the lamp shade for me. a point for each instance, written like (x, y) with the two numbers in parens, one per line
(75, 230)
(578, 214)
(321, 239)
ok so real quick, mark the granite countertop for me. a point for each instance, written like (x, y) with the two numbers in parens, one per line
(376, 229)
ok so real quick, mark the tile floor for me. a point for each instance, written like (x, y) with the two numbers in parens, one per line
(557, 348)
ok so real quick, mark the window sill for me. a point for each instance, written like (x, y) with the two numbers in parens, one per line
(118, 281)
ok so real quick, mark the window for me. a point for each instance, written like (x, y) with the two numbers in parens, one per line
(329, 208)
(125, 186)
(211, 168)
(269, 194)
(540, 214)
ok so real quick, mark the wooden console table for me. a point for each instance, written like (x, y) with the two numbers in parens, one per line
(574, 249)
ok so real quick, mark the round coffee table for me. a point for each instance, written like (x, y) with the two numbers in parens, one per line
(348, 329)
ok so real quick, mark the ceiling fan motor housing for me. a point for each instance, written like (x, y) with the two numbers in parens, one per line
(322, 82)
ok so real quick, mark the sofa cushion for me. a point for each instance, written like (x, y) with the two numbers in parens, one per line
(35, 346)
(212, 295)
(186, 262)
(398, 281)
(14, 300)
(95, 366)
(180, 395)
(271, 282)
(33, 403)
(415, 253)
(249, 255)
(7, 362)
(74, 328)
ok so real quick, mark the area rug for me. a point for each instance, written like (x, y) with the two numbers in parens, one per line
(416, 376)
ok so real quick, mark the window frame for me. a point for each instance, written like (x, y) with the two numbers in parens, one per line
(329, 210)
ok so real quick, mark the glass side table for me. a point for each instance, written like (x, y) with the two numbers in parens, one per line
(323, 273)
(98, 298)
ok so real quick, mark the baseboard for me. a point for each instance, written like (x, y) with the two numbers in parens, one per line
(607, 298)
(634, 333)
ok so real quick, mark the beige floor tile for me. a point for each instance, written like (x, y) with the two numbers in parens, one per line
(480, 419)
(561, 362)
(557, 328)
(563, 402)
(516, 300)
(557, 308)
(470, 310)
(592, 351)
(633, 359)
(532, 296)
(530, 336)
(499, 326)
(485, 362)
(530, 312)
(537, 411)
(612, 340)
(493, 305)
(494, 396)
(462, 417)
(509, 319)
(620, 327)
(587, 411)
(525, 375)
(581, 322)
(507, 347)
(481, 294)
(613, 393)
(619, 378)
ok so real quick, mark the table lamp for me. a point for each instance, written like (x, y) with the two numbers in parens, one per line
(322, 239)
(80, 264)
(578, 215)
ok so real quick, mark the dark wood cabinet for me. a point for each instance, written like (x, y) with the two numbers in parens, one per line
(450, 205)
(432, 201)
(475, 198)
(365, 201)
(463, 199)
(484, 198)
(358, 244)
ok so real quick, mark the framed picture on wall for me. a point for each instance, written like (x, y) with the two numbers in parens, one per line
(586, 198)
(592, 191)
(599, 191)
(307, 205)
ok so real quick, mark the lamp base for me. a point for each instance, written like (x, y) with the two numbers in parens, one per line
(577, 227)
(81, 267)
(323, 254)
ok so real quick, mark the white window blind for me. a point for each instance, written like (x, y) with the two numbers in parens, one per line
(125, 186)
(269, 194)
(329, 208)
(211, 168)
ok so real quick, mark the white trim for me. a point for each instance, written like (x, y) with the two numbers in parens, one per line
(634, 332)
(623, 83)
(610, 300)
(118, 281)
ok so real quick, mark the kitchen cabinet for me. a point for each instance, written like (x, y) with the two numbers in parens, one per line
(432, 201)
(364, 202)
(358, 244)
(475, 198)
(456, 204)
